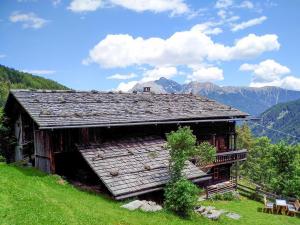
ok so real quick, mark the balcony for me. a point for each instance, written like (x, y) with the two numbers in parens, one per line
(231, 156)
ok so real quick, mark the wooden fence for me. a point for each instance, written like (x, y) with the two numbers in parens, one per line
(258, 192)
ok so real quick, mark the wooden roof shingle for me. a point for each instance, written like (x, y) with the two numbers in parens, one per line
(57, 109)
(130, 167)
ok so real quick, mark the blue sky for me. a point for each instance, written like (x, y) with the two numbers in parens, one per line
(112, 44)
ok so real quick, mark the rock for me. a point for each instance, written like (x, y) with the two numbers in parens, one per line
(133, 205)
(209, 208)
(150, 206)
(234, 216)
(214, 214)
(209, 212)
(200, 209)
(146, 206)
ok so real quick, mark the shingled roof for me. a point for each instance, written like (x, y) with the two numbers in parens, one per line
(57, 109)
(130, 167)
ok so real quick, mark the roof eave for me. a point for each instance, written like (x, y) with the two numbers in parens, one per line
(237, 118)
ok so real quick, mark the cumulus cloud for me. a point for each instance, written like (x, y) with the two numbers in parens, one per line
(182, 48)
(123, 86)
(84, 5)
(289, 82)
(208, 28)
(158, 72)
(28, 20)
(246, 5)
(249, 23)
(271, 73)
(122, 76)
(223, 4)
(39, 72)
(175, 7)
(206, 74)
(266, 71)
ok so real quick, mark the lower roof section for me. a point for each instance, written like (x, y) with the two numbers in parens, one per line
(131, 167)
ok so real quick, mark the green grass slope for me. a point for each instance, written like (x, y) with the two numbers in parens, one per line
(28, 196)
(284, 117)
(10, 78)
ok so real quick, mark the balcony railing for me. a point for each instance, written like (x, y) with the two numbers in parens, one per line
(228, 157)
(231, 156)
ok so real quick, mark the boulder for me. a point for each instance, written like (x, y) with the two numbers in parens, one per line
(146, 206)
(149, 206)
(133, 205)
(214, 214)
(234, 216)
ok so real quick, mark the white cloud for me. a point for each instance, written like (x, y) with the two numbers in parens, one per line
(182, 48)
(176, 7)
(266, 71)
(223, 4)
(84, 5)
(208, 28)
(289, 82)
(123, 86)
(2, 56)
(206, 74)
(249, 23)
(122, 76)
(28, 20)
(222, 13)
(271, 73)
(156, 73)
(246, 5)
(39, 72)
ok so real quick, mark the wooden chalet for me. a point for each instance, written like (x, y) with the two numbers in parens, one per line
(117, 140)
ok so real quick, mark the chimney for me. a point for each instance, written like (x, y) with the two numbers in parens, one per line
(146, 89)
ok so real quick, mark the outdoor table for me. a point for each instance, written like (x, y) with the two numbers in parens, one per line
(281, 206)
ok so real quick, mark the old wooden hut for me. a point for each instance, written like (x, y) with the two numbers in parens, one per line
(119, 138)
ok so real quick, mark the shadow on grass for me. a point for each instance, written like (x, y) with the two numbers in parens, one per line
(27, 171)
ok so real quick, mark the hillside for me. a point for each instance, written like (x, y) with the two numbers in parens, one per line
(251, 100)
(284, 117)
(10, 78)
(37, 198)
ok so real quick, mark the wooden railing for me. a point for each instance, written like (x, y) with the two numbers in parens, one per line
(259, 193)
(231, 156)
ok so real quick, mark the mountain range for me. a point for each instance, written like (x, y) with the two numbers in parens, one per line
(248, 99)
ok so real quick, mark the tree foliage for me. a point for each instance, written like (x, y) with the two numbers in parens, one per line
(180, 194)
(13, 79)
(245, 139)
(181, 145)
(274, 166)
(204, 154)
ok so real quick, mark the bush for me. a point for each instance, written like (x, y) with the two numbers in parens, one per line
(228, 196)
(181, 197)
(2, 159)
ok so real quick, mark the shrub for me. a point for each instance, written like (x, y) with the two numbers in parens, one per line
(2, 159)
(228, 196)
(181, 197)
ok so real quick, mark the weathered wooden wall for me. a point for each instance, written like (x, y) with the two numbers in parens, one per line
(43, 151)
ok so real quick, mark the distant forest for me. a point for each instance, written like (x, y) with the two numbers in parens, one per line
(280, 122)
(13, 79)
